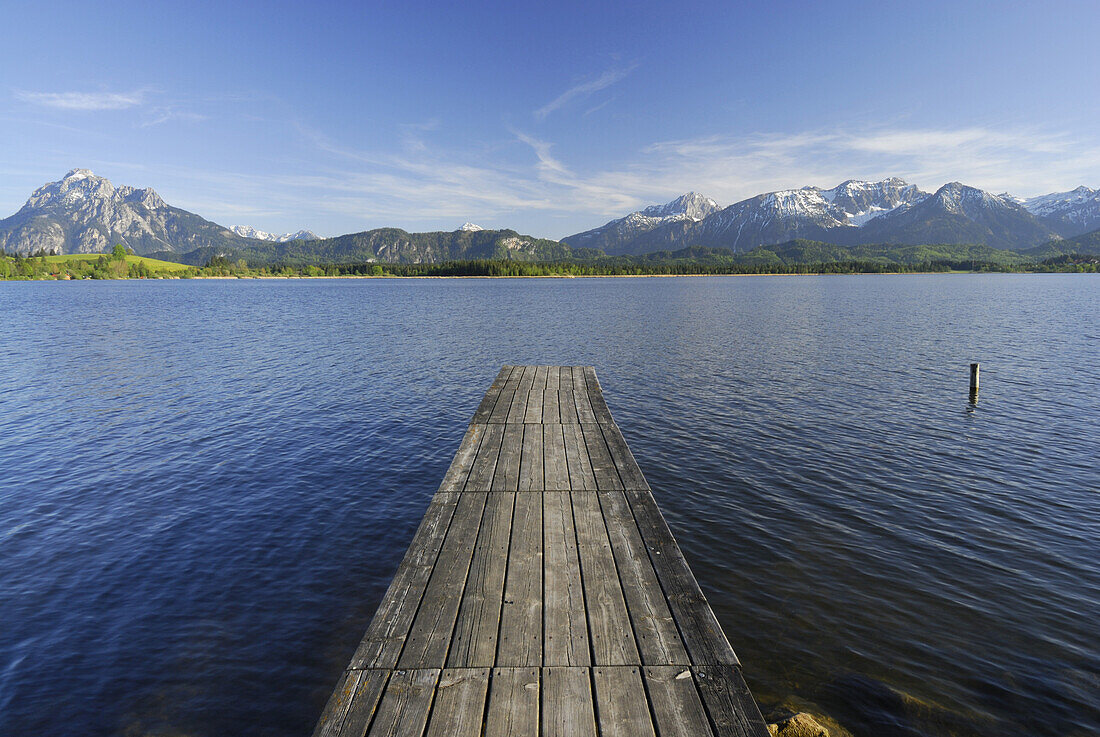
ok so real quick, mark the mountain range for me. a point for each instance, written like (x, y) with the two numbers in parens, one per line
(83, 213)
(247, 231)
(855, 213)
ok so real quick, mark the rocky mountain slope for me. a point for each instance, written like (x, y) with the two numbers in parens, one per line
(618, 236)
(83, 213)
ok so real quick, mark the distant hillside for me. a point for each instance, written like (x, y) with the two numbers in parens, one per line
(1085, 245)
(802, 252)
(393, 245)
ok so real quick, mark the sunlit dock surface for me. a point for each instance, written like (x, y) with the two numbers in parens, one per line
(543, 593)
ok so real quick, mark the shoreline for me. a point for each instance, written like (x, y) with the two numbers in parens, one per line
(565, 276)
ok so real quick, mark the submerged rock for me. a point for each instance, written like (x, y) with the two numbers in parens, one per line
(798, 718)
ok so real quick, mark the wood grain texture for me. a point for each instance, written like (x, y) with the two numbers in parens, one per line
(513, 703)
(677, 708)
(654, 627)
(430, 636)
(568, 708)
(579, 465)
(403, 711)
(520, 641)
(611, 636)
(531, 459)
(368, 694)
(621, 703)
(555, 465)
(607, 476)
(459, 471)
(459, 707)
(705, 641)
(565, 640)
(475, 636)
(485, 461)
(733, 712)
(506, 474)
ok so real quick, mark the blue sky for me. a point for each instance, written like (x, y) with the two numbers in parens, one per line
(549, 118)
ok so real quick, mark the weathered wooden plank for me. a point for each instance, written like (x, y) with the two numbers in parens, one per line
(582, 406)
(485, 462)
(629, 472)
(607, 476)
(677, 708)
(705, 641)
(568, 709)
(533, 412)
(579, 464)
(405, 704)
(565, 641)
(385, 637)
(579, 382)
(654, 628)
(459, 707)
(501, 377)
(550, 411)
(552, 378)
(567, 408)
(531, 459)
(485, 409)
(555, 465)
(599, 407)
(459, 471)
(539, 384)
(474, 643)
(520, 641)
(430, 635)
(364, 702)
(621, 703)
(733, 712)
(504, 402)
(518, 409)
(513, 703)
(611, 636)
(506, 475)
(332, 718)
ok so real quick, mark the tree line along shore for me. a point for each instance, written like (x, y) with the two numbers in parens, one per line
(120, 264)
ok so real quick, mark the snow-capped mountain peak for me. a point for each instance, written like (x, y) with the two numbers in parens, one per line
(247, 231)
(1068, 213)
(692, 205)
(470, 228)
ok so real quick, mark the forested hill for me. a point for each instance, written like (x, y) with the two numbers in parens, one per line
(396, 246)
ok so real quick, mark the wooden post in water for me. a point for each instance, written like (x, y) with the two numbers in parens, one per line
(974, 377)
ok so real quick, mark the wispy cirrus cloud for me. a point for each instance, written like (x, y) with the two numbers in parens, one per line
(529, 183)
(87, 101)
(584, 89)
(1024, 161)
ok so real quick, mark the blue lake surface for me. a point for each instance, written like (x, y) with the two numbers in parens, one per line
(205, 486)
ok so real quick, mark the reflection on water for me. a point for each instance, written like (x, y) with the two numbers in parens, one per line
(207, 485)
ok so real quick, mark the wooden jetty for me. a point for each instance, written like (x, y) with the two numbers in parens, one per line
(543, 593)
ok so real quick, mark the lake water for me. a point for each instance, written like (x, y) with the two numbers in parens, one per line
(205, 486)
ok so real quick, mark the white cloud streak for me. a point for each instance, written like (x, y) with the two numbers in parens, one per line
(584, 89)
(84, 101)
(527, 184)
